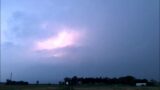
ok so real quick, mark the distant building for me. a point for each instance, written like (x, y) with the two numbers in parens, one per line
(141, 84)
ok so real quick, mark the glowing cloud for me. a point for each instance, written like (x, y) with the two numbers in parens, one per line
(62, 39)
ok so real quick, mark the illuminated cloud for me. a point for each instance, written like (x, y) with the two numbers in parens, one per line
(62, 39)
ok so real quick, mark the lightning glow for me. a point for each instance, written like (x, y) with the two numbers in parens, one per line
(62, 39)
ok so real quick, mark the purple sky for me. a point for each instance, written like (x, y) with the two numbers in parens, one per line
(47, 40)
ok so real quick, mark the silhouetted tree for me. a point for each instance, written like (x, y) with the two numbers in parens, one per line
(74, 80)
(127, 80)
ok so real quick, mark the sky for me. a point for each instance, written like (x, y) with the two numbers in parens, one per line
(48, 40)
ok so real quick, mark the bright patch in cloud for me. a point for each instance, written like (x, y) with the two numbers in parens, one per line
(64, 38)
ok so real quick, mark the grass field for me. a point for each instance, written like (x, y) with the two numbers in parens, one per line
(118, 88)
(56, 87)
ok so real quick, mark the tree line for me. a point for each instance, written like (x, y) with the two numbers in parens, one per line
(126, 80)
(11, 82)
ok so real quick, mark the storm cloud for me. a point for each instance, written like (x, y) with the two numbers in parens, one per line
(118, 38)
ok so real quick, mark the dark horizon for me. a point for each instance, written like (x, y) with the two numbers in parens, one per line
(75, 80)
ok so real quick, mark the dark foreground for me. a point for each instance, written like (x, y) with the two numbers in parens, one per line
(57, 87)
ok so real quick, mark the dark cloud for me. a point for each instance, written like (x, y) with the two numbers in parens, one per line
(25, 26)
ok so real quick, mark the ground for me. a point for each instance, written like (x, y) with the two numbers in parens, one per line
(56, 87)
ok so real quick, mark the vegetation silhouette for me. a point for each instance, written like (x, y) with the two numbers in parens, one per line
(73, 81)
(10, 82)
(126, 80)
